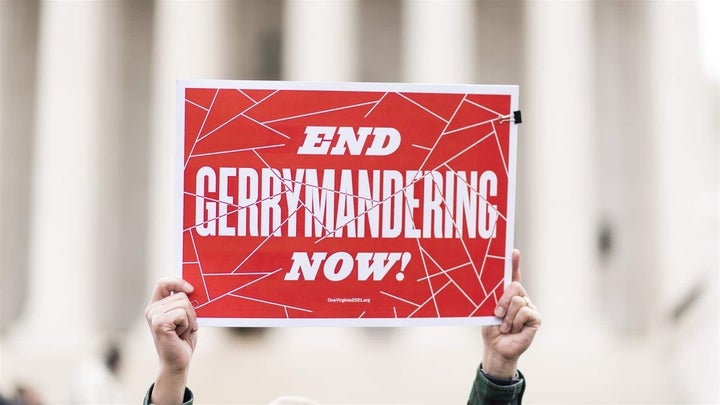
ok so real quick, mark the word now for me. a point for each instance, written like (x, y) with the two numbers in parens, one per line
(318, 140)
(339, 265)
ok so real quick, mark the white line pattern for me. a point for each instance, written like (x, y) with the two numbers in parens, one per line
(423, 257)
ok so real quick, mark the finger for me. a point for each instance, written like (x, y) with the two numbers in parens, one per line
(175, 312)
(192, 317)
(516, 265)
(527, 316)
(179, 305)
(516, 304)
(171, 303)
(501, 307)
(166, 286)
(515, 288)
(189, 331)
(186, 324)
(176, 320)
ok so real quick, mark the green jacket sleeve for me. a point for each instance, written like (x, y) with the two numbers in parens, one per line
(187, 399)
(488, 392)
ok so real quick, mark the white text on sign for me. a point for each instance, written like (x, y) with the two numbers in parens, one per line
(339, 265)
(242, 201)
(344, 140)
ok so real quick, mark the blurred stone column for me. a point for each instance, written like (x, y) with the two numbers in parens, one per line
(379, 40)
(627, 159)
(71, 107)
(686, 132)
(438, 41)
(320, 40)
(18, 50)
(559, 171)
(123, 151)
(255, 27)
(190, 43)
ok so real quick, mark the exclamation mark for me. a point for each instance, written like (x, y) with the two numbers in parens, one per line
(405, 260)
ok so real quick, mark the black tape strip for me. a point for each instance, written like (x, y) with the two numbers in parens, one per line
(517, 117)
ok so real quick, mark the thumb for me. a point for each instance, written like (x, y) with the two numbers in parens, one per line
(516, 265)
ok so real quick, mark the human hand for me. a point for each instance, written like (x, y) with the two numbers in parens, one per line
(505, 343)
(174, 328)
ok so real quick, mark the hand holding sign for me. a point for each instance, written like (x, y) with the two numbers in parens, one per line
(520, 321)
(174, 329)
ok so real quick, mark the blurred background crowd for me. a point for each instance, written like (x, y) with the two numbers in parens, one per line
(617, 200)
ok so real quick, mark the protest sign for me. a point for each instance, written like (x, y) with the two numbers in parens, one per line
(359, 204)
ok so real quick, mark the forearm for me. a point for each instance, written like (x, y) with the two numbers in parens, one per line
(497, 366)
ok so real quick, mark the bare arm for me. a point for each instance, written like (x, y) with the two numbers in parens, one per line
(173, 325)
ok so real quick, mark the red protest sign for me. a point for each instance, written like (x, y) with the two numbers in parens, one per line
(347, 203)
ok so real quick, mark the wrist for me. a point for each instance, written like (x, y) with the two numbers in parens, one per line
(499, 367)
(173, 368)
(169, 386)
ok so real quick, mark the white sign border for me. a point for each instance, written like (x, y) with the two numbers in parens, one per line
(182, 85)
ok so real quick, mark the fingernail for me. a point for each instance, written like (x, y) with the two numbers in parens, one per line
(499, 311)
(188, 286)
(504, 328)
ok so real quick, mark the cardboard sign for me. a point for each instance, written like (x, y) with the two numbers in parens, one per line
(358, 204)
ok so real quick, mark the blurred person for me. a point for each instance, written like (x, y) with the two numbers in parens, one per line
(174, 329)
(98, 380)
(24, 395)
